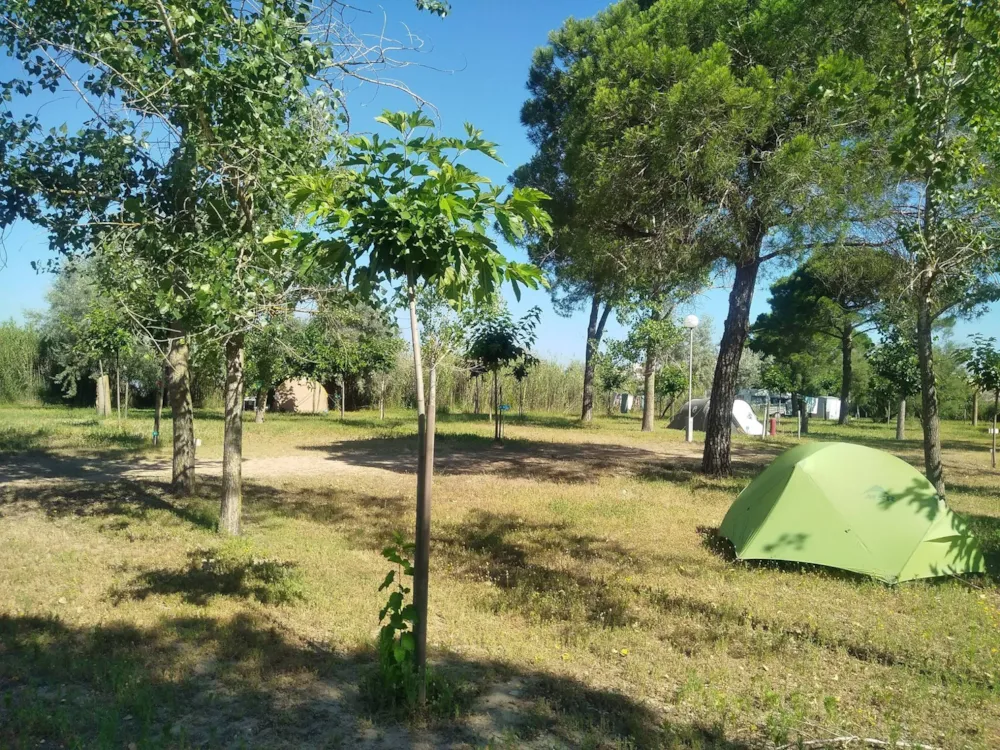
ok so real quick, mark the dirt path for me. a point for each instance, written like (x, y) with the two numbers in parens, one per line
(556, 462)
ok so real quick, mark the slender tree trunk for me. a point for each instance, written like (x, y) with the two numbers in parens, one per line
(975, 408)
(901, 420)
(381, 406)
(179, 389)
(425, 474)
(496, 406)
(804, 411)
(929, 416)
(260, 406)
(475, 396)
(118, 388)
(649, 392)
(996, 407)
(716, 460)
(595, 331)
(847, 373)
(126, 391)
(232, 444)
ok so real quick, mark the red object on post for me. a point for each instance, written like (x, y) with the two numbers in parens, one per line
(772, 426)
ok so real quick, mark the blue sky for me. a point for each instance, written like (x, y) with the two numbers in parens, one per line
(472, 68)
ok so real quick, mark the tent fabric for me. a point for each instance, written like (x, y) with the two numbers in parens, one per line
(743, 420)
(850, 507)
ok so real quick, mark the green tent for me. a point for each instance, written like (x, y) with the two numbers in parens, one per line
(851, 507)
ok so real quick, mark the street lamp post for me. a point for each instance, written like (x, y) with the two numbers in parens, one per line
(690, 322)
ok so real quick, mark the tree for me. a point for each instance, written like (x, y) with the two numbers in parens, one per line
(671, 383)
(836, 293)
(798, 363)
(615, 370)
(982, 360)
(652, 335)
(937, 124)
(270, 359)
(713, 121)
(410, 212)
(894, 361)
(200, 116)
(604, 250)
(497, 342)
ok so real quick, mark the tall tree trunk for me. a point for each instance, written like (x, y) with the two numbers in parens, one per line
(649, 392)
(475, 396)
(158, 406)
(425, 474)
(929, 417)
(260, 406)
(847, 373)
(496, 406)
(804, 414)
(975, 408)
(901, 419)
(126, 390)
(996, 407)
(179, 389)
(118, 388)
(716, 460)
(343, 392)
(102, 391)
(595, 331)
(232, 443)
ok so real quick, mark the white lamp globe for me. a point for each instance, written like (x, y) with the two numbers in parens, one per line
(691, 321)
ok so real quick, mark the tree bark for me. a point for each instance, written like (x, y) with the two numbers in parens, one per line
(260, 406)
(342, 395)
(232, 443)
(179, 389)
(975, 408)
(847, 373)
(649, 392)
(716, 460)
(425, 473)
(929, 417)
(901, 420)
(595, 331)
(804, 415)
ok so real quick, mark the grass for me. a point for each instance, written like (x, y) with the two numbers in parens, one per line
(579, 597)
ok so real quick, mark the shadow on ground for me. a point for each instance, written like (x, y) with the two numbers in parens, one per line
(466, 454)
(245, 682)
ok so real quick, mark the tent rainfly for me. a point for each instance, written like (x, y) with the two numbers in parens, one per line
(744, 419)
(854, 508)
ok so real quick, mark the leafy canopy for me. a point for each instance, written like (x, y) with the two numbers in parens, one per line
(408, 209)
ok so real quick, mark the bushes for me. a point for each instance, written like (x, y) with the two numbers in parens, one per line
(20, 378)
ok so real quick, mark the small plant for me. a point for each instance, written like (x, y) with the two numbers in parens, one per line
(393, 687)
(397, 677)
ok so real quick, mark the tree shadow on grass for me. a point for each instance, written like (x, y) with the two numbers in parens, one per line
(124, 499)
(467, 454)
(101, 465)
(234, 572)
(245, 682)
(540, 570)
(19, 440)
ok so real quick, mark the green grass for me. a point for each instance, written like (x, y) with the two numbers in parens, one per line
(579, 597)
